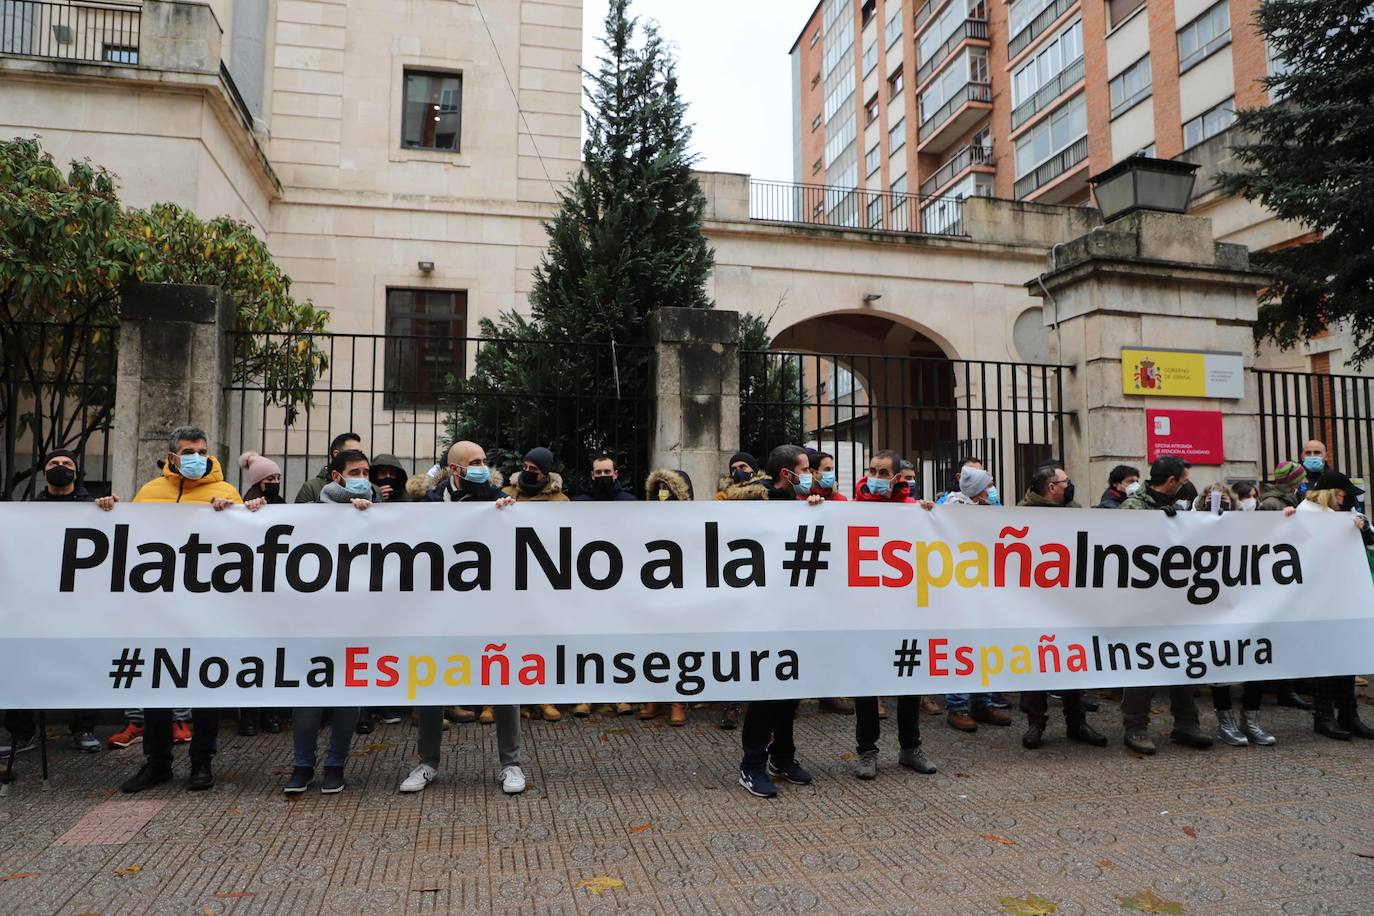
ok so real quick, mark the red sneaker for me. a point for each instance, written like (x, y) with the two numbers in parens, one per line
(181, 732)
(130, 735)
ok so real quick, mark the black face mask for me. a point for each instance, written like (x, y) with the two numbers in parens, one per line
(389, 482)
(1068, 492)
(530, 484)
(271, 489)
(603, 486)
(741, 475)
(59, 476)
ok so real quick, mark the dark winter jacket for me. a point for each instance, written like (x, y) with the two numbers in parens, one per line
(255, 492)
(617, 496)
(672, 480)
(1112, 498)
(552, 491)
(1148, 499)
(310, 490)
(399, 494)
(1276, 498)
(79, 495)
(488, 492)
(1034, 500)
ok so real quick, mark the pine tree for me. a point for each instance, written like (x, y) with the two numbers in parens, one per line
(1310, 159)
(626, 240)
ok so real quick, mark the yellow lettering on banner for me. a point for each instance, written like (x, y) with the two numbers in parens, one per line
(972, 572)
(413, 680)
(459, 671)
(926, 578)
(1020, 660)
(990, 662)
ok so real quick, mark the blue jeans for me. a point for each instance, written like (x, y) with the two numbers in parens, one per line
(305, 730)
(959, 702)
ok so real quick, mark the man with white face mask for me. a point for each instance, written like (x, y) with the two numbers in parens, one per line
(1122, 482)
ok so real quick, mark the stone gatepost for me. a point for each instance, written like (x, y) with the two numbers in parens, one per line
(174, 364)
(697, 384)
(1149, 280)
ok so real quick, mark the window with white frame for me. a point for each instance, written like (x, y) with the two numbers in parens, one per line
(1055, 56)
(896, 136)
(1204, 36)
(875, 213)
(1066, 126)
(944, 213)
(1208, 124)
(1131, 86)
(873, 158)
(1022, 12)
(894, 24)
(894, 85)
(971, 68)
(870, 58)
(840, 138)
(839, 48)
(840, 95)
(946, 24)
(898, 189)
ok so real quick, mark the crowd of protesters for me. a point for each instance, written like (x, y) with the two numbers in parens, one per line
(190, 476)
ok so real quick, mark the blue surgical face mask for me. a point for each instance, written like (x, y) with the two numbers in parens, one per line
(358, 486)
(192, 467)
(803, 484)
(992, 496)
(828, 480)
(879, 487)
(477, 475)
(1313, 464)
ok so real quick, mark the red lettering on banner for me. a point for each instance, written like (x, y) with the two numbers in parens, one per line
(903, 568)
(936, 657)
(352, 666)
(386, 666)
(858, 555)
(964, 656)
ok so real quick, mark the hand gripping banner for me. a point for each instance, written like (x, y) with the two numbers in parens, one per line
(549, 603)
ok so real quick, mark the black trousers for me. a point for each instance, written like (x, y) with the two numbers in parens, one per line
(1036, 705)
(1251, 694)
(157, 734)
(867, 728)
(767, 733)
(1135, 706)
(22, 723)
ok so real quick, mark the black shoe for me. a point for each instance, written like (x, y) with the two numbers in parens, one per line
(913, 758)
(247, 728)
(1034, 737)
(792, 771)
(271, 725)
(1293, 699)
(1139, 742)
(1350, 721)
(1192, 736)
(1090, 705)
(151, 774)
(364, 726)
(1330, 728)
(202, 777)
(333, 780)
(299, 781)
(729, 718)
(86, 742)
(1084, 733)
(389, 717)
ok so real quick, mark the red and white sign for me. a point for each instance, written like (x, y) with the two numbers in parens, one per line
(1193, 435)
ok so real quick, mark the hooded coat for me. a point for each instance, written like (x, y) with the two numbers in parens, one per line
(755, 487)
(618, 495)
(488, 492)
(1147, 499)
(1277, 497)
(1112, 498)
(171, 487)
(1034, 500)
(552, 491)
(675, 481)
(402, 495)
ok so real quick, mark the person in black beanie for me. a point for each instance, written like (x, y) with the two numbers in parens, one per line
(604, 488)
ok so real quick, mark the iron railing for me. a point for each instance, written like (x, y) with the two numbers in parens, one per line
(240, 105)
(970, 92)
(1336, 409)
(1042, 21)
(930, 409)
(1047, 93)
(841, 208)
(1052, 168)
(411, 395)
(969, 28)
(965, 158)
(99, 33)
(57, 390)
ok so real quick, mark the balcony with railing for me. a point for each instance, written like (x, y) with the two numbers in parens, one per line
(1057, 165)
(94, 33)
(958, 164)
(969, 29)
(1037, 26)
(1046, 94)
(964, 108)
(848, 208)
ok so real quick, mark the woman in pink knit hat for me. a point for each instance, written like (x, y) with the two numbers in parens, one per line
(262, 477)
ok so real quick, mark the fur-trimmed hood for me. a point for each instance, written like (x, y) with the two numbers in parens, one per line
(552, 492)
(426, 485)
(674, 480)
(755, 487)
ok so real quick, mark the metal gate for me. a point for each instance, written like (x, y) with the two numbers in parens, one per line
(1337, 409)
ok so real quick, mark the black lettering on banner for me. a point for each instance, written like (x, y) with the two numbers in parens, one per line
(689, 683)
(271, 548)
(558, 575)
(1204, 588)
(243, 566)
(253, 672)
(1264, 651)
(624, 664)
(279, 678)
(789, 666)
(1287, 571)
(219, 666)
(1117, 552)
(756, 660)
(615, 564)
(1168, 655)
(347, 554)
(165, 566)
(666, 572)
(191, 552)
(162, 662)
(656, 668)
(1175, 559)
(745, 571)
(321, 673)
(72, 560)
(1229, 578)
(719, 672)
(324, 567)
(1142, 652)
(1143, 557)
(405, 555)
(458, 574)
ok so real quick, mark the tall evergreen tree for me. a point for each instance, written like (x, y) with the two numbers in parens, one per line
(626, 240)
(1309, 158)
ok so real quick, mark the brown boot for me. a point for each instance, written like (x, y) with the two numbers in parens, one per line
(677, 714)
(487, 717)
(961, 720)
(882, 709)
(989, 715)
(582, 710)
(623, 709)
(649, 711)
(459, 714)
(550, 712)
(930, 707)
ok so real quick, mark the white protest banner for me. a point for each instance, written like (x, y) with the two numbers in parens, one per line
(586, 602)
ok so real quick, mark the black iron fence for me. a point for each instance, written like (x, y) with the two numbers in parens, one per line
(852, 208)
(1337, 409)
(57, 391)
(934, 411)
(102, 33)
(412, 395)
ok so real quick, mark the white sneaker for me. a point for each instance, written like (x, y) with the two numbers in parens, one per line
(419, 777)
(512, 780)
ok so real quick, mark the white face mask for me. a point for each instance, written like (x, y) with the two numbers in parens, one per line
(1182, 505)
(1248, 505)
(1134, 488)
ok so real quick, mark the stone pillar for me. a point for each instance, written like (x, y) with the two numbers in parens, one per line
(697, 384)
(174, 364)
(1158, 281)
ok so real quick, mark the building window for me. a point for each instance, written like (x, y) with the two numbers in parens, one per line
(1118, 10)
(1209, 123)
(1148, 151)
(425, 337)
(896, 136)
(870, 59)
(894, 24)
(119, 54)
(894, 85)
(816, 167)
(875, 213)
(1051, 136)
(1278, 68)
(815, 37)
(873, 158)
(871, 110)
(869, 11)
(971, 67)
(816, 122)
(1131, 86)
(898, 192)
(1055, 56)
(432, 115)
(1204, 36)
(1022, 13)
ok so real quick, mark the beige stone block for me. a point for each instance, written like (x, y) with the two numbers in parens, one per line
(310, 36)
(306, 152)
(291, 127)
(559, 59)
(310, 12)
(551, 37)
(298, 58)
(308, 105)
(307, 176)
(562, 16)
(308, 82)
(550, 80)
(553, 102)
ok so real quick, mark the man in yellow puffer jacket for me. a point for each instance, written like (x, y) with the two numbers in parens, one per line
(190, 476)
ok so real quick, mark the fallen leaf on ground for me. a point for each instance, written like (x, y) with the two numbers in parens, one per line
(1190, 832)
(382, 746)
(605, 739)
(1029, 905)
(233, 895)
(601, 883)
(1107, 863)
(128, 872)
(21, 874)
(233, 809)
(642, 827)
(849, 758)
(1136, 754)
(961, 776)
(1150, 902)
(207, 910)
(994, 838)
